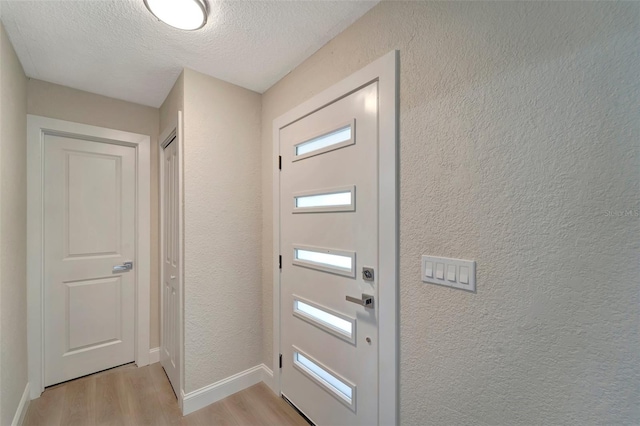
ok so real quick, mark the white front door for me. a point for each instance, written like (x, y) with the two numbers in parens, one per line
(170, 350)
(329, 247)
(89, 234)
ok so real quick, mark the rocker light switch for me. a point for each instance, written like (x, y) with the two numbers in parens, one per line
(464, 275)
(451, 273)
(440, 271)
(428, 269)
(456, 273)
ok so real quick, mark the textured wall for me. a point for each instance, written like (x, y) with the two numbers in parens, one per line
(519, 149)
(173, 103)
(64, 103)
(13, 230)
(223, 335)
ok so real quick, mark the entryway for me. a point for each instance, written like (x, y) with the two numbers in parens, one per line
(336, 238)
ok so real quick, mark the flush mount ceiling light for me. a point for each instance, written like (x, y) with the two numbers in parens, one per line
(182, 14)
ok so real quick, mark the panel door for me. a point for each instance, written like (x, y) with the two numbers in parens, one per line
(329, 233)
(170, 350)
(89, 228)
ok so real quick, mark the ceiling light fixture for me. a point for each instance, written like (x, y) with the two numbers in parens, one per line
(182, 14)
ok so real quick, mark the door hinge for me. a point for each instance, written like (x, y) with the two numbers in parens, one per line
(280, 360)
(279, 162)
(280, 262)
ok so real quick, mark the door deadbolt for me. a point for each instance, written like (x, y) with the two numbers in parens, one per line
(367, 274)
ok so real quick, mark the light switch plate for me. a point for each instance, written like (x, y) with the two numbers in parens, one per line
(469, 274)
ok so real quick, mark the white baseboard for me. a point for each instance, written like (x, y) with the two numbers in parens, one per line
(154, 355)
(202, 397)
(267, 376)
(21, 411)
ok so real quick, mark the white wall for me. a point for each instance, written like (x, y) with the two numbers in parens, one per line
(64, 103)
(223, 309)
(519, 132)
(13, 230)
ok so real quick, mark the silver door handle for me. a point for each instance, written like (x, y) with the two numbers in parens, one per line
(126, 266)
(366, 301)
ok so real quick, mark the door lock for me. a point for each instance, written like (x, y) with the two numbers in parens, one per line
(366, 300)
(367, 274)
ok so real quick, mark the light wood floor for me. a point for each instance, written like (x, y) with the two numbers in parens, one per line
(129, 395)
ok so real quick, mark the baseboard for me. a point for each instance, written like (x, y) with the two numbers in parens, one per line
(154, 355)
(21, 411)
(202, 397)
(267, 376)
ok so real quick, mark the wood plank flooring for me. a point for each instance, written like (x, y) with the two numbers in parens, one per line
(134, 396)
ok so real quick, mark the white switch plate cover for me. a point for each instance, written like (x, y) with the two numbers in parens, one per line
(457, 263)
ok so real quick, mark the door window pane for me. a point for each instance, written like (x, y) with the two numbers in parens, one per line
(332, 140)
(339, 388)
(337, 324)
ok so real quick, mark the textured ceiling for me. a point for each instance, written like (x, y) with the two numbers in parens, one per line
(117, 48)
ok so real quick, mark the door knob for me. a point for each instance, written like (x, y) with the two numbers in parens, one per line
(366, 300)
(126, 266)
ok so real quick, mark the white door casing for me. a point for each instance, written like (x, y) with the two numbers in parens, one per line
(370, 175)
(89, 227)
(171, 256)
(92, 157)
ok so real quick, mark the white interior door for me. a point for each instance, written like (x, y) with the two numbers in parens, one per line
(329, 248)
(170, 350)
(89, 228)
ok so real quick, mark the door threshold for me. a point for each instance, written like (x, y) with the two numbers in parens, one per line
(304, 416)
(131, 364)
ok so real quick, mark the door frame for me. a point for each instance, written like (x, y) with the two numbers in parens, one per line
(175, 128)
(385, 71)
(37, 128)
